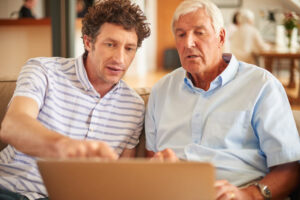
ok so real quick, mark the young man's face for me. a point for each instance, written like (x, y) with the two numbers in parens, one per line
(111, 54)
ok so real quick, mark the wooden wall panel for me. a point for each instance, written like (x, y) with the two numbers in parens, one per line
(165, 38)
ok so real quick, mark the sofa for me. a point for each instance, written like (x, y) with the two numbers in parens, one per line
(7, 88)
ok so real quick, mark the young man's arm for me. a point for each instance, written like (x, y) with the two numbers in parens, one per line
(21, 129)
(128, 153)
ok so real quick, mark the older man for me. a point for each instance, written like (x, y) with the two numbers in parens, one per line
(75, 107)
(219, 110)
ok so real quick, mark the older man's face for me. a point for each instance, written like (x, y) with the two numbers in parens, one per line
(199, 48)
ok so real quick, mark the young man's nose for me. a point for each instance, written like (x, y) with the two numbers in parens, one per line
(119, 55)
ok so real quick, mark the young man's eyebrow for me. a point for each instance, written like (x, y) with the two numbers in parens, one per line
(115, 41)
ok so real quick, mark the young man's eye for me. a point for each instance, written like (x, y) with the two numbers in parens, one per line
(109, 44)
(130, 49)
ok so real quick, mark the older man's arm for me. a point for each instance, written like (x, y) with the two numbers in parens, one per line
(165, 155)
(281, 180)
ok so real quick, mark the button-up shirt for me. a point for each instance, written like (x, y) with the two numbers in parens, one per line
(243, 123)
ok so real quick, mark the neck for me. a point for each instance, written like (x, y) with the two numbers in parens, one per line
(204, 79)
(99, 84)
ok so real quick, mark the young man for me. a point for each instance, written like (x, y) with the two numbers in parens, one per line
(75, 107)
(219, 110)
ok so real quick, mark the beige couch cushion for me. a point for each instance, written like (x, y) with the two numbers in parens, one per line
(296, 114)
(140, 149)
(6, 91)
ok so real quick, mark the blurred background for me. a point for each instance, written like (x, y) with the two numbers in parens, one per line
(55, 30)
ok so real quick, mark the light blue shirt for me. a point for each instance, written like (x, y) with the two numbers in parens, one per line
(243, 124)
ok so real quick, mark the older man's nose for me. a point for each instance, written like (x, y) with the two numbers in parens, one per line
(190, 41)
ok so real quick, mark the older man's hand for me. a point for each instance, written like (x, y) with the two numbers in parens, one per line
(165, 155)
(227, 191)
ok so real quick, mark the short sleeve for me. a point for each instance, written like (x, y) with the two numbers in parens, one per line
(32, 81)
(274, 124)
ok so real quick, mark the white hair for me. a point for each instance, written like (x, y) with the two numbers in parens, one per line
(188, 6)
(245, 16)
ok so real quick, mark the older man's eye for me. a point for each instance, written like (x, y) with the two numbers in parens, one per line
(180, 35)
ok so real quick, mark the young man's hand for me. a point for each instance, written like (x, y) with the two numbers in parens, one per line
(71, 148)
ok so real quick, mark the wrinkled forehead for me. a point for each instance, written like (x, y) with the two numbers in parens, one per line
(196, 18)
(181, 11)
(186, 10)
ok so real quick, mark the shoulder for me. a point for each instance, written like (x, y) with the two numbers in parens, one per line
(256, 74)
(51, 63)
(128, 91)
(173, 79)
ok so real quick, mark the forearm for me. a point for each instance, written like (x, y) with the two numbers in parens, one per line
(21, 129)
(29, 136)
(128, 153)
(281, 180)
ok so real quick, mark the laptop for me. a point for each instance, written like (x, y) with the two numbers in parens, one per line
(134, 179)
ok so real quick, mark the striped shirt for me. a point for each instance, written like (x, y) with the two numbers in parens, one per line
(69, 104)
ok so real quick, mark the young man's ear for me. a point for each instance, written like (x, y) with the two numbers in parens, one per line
(87, 43)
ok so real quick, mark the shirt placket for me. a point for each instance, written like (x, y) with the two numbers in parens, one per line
(93, 119)
(197, 121)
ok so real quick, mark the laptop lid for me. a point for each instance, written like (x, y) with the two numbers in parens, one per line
(93, 179)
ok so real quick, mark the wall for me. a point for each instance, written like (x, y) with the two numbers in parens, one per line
(165, 38)
(20, 42)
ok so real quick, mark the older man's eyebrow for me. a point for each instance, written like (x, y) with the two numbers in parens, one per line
(194, 27)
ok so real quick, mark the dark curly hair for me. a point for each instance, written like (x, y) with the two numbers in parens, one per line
(119, 12)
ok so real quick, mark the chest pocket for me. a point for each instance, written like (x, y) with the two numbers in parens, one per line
(227, 129)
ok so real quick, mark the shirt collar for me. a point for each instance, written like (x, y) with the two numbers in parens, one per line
(227, 75)
(230, 71)
(81, 74)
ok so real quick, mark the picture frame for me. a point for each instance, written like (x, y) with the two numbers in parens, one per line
(228, 3)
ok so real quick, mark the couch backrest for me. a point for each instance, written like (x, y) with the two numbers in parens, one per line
(140, 149)
(7, 89)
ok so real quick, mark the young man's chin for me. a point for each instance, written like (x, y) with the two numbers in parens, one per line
(113, 80)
